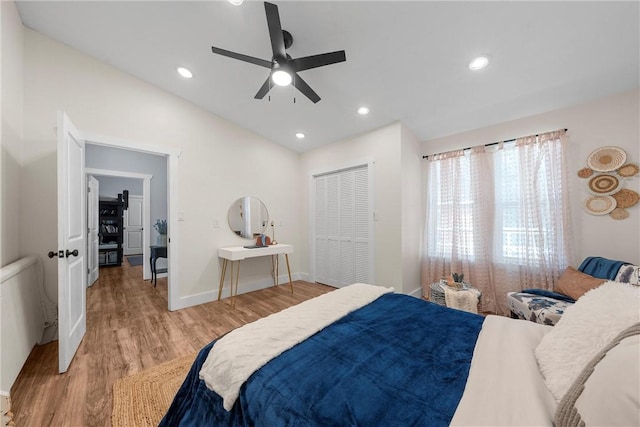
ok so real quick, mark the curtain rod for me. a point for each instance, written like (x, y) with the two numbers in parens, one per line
(486, 145)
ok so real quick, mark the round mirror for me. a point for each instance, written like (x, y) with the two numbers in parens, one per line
(248, 217)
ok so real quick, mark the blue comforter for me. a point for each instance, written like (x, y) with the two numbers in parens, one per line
(399, 361)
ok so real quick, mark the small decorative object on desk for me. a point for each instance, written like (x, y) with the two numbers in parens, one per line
(263, 240)
(273, 233)
(161, 228)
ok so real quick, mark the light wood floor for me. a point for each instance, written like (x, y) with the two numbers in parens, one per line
(128, 330)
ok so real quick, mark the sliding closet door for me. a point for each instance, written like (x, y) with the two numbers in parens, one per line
(363, 228)
(342, 227)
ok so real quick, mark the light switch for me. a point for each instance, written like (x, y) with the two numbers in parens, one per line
(216, 223)
(181, 216)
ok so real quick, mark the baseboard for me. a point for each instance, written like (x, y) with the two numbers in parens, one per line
(209, 296)
(417, 292)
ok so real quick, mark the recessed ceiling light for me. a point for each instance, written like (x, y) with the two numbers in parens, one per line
(300, 135)
(363, 111)
(185, 72)
(479, 63)
(236, 2)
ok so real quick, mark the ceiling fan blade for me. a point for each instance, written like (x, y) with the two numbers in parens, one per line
(315, 61)
(241, 57)
(306, 90)
(275, 30)
(264, 89)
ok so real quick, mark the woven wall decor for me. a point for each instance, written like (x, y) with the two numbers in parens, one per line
(604, 184)
(619, 213)
(606, 159)
(626, 198)
(585, 172)
(628, 170)
(607, 172)
(600, 205)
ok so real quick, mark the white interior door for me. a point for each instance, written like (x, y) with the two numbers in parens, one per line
(72, 270)
(133, 229)
(93, 191)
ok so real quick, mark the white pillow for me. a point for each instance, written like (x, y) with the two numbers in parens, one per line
(607, 392)
(584, 329)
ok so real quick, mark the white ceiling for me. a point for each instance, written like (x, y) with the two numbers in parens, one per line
(407, 61)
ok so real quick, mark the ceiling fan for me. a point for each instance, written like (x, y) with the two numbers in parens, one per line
(284, 69)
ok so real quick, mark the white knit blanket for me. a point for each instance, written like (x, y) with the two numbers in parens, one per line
(237, 355)
(466, 300)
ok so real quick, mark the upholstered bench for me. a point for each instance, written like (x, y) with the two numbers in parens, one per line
(547, 307)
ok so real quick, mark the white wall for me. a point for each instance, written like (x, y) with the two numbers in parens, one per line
(111, 186)
(219, 161)
(383, 147)
(412, 214)
(11, 71)
(614, 120)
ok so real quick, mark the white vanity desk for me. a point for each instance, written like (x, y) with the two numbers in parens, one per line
(238, 253)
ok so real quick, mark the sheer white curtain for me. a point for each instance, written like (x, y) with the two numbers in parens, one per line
(499, 215)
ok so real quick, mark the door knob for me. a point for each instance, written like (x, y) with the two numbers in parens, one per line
(51, 254)
(74, 253)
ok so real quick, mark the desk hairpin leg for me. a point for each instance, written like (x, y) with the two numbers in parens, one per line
(286, 256)
(223, 273)
(234, 293)
(234, 283)
(275, 263)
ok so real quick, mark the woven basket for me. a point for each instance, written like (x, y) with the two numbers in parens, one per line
(585, 172)
(630, 169)
(626, 198)
(605, 159)
(619, 213)
(437, 294)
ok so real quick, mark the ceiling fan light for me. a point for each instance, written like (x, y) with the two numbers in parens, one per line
(184, 72)
(300, 135)
(363, 111)
(479, 63)
(281, 78)
(236, 2)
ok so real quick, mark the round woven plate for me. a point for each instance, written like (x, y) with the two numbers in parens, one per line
(606, 159)
(619, 213)
(626, 198)
(604, 184)
(599, 205)
(585, 172)
(630, 169)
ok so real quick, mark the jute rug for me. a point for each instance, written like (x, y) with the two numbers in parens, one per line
(142, 399)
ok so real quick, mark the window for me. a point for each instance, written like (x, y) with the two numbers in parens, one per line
(499, 213)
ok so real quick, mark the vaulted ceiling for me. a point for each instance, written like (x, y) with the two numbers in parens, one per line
(406, 61)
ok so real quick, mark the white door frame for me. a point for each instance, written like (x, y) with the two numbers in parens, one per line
(92, 241)
(172, 155)
(146, 215)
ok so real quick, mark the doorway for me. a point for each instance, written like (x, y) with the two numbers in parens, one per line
(170, 165)
(116, 181)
